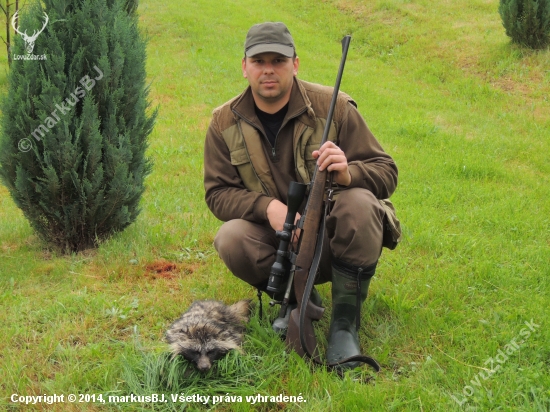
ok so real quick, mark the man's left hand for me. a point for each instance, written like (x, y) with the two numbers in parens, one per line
(332, 158)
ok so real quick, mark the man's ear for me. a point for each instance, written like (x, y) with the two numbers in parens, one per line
(243, 66)
(296, 64)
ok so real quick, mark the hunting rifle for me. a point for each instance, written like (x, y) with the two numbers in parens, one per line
(305, 263)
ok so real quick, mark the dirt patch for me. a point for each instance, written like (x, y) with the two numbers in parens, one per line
(189, 268)
(161, 269)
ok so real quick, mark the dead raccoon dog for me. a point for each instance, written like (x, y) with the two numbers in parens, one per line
(207, 331)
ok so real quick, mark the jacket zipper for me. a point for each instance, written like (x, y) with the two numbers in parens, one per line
(282, 125)
(300, 133)
(273, 153)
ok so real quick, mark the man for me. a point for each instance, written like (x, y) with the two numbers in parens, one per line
(268, 136)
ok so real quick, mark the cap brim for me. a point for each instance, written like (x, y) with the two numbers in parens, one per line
(287, 51)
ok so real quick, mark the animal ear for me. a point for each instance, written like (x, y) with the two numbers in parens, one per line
(241, 309)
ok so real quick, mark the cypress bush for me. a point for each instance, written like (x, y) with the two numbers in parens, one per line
(527, 22)
(75, 122)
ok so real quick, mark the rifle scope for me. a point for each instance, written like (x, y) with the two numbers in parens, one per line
(280, 269)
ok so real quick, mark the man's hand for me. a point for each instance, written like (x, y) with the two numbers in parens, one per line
(332, 158)
(276, 215)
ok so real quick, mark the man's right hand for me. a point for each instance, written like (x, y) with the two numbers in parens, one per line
(276, 215)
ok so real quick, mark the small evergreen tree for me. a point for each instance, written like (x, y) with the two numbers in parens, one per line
(74, 125)
(131, 6)
(527, 22)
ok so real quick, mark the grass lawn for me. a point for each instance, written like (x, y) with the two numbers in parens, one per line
(456, 314)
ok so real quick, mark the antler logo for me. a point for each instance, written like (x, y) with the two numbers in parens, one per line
(29, 40)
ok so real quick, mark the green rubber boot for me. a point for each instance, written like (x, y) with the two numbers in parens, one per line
(343, 338)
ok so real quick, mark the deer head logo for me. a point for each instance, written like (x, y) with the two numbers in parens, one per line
(29, 40)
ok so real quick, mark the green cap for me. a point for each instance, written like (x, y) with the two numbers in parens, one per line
(269, 37)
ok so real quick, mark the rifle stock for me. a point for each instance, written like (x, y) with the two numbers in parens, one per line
(312, 313)
(308, 244)
(313, 214)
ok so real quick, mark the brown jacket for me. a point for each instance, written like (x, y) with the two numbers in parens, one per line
(228, 197)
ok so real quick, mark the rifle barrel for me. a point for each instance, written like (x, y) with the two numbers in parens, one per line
(345, 47)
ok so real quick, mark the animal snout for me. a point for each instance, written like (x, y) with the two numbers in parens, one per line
(204, 364)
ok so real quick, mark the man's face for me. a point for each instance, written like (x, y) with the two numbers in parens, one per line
(270, 77)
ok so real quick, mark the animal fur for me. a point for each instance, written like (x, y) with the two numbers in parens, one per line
(207, 331)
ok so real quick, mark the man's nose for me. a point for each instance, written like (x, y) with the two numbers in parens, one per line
(268, 68)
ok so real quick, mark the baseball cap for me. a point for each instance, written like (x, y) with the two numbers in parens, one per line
(269, 37)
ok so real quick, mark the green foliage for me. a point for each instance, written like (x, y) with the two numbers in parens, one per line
(75, 127)
(527, 22)
(131, 6)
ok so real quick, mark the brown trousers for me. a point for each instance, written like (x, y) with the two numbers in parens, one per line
(353, 235)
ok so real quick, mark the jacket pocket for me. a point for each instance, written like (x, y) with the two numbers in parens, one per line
(239, 157)
(392, 226)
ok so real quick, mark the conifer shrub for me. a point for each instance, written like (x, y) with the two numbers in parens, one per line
(527, 22)
(131, 6)
(75, 121)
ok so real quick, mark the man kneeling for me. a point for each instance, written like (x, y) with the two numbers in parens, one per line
(268, 136)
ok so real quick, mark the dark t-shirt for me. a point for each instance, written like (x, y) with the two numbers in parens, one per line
(271, 122)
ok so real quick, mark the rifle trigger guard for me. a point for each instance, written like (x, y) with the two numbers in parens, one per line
(300, 223)
(328, 202)
(292, 257)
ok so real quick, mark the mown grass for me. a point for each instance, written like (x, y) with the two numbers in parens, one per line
(466, 116)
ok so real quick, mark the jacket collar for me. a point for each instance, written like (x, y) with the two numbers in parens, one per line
(300, 106)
